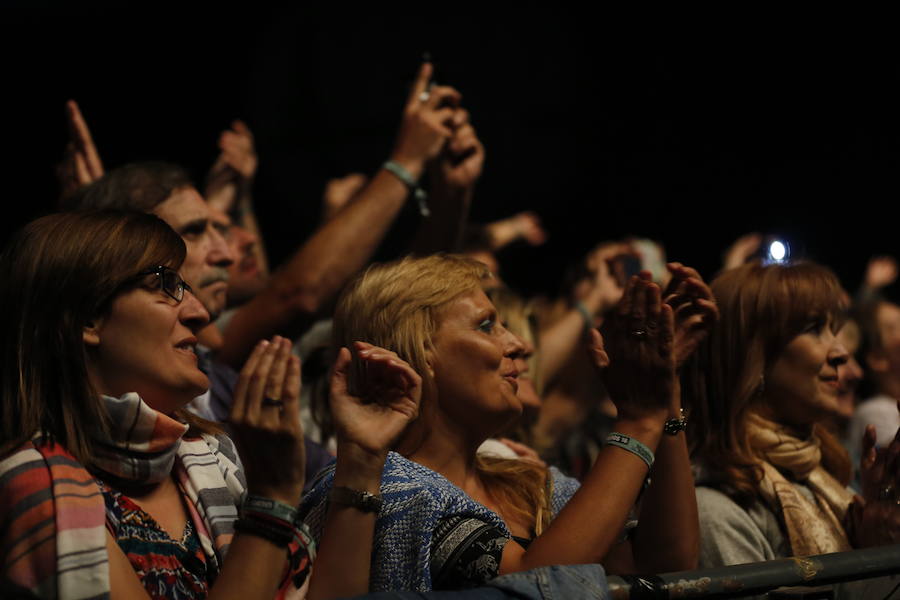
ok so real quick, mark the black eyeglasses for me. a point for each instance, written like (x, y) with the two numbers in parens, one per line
(169, 281)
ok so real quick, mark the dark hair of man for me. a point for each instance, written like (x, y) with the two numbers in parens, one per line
(140, 186)
(58, 274)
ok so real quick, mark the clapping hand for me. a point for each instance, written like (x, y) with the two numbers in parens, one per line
(386, 401)
(265, 418)
(639, 350)
(875, 518)
(694, 308)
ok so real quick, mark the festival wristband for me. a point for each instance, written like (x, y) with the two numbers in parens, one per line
(630, 444)
(274, 509)
(400, 172)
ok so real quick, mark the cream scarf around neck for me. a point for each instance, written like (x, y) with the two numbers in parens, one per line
(812, 527)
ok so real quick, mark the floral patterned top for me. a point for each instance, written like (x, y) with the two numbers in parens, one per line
(168, 569)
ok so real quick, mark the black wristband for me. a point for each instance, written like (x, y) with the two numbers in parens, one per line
(280, 536)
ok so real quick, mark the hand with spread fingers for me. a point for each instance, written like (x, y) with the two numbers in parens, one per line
(638, 337)
(875, 518)
(429, 118)
(694, 308)
(234, 169)
(386, 401)
(81, 164)
(265, 418)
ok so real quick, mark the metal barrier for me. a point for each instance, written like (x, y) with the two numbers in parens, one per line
(752, 579)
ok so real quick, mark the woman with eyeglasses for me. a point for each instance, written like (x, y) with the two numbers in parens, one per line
(111, 488)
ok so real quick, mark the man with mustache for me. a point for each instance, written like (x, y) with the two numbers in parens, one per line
(167, 191)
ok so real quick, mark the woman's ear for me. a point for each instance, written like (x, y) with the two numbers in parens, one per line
(91, 332)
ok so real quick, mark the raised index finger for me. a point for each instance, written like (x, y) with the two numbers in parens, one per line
(81, 135)
(420, 85)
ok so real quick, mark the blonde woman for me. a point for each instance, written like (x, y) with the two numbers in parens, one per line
(452, 519)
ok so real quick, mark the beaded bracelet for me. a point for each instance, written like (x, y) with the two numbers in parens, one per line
(630, 444)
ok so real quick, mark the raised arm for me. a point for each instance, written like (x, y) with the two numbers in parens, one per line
(640, 377)
(367, 425)
(344, 244)
(562, 338)
(453, 175)
(668, 536)
(229, 183)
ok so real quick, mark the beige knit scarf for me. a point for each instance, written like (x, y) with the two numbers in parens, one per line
(812, 527)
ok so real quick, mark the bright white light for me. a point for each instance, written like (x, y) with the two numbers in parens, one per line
(777, 250)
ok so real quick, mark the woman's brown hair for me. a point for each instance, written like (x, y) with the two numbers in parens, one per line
(762, 308)
(56, 275)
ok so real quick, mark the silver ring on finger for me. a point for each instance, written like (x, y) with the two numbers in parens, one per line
(273, 402)
(424, 96)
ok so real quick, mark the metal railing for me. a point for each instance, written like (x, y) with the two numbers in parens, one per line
(753, 579)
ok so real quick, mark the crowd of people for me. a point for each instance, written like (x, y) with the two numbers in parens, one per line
(179, 420)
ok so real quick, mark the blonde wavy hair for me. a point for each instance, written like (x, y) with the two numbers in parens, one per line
(762, 308)
(398, 306)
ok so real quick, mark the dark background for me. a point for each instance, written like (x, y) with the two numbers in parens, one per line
(691, 129)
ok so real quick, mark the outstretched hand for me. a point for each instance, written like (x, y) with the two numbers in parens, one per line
(694, 308)
(265, 419)
(640, 376)
(387, 400)
(81, 164)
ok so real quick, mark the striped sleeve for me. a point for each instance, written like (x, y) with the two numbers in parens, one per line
(53, 535)
(28, 545)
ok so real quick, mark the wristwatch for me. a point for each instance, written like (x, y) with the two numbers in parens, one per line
(676, 425)
(364, 501)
